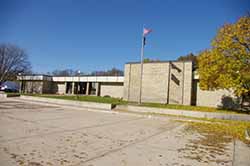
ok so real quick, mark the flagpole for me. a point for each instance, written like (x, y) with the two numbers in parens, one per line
(141, 73)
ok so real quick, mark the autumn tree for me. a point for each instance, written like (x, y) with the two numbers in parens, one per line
(13, 60)
(227, 64)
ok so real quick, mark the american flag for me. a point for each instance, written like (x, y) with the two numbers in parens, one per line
(146, 31)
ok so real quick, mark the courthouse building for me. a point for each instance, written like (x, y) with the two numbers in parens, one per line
(172, 82)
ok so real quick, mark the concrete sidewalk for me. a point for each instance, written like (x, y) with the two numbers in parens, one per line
(187, 113)
(241, 154)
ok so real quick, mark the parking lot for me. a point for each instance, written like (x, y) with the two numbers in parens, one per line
(42, 134)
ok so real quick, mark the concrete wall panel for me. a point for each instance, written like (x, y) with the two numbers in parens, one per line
(214, 98)
(176, 83)
(111, 89)
(154, 82)
(61, 88)
(188, 81)
(158, 78)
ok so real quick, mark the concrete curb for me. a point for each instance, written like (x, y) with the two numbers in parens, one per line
(195, 114)
(247, 133)
(241, 154)
(3, 95)
(82, 104)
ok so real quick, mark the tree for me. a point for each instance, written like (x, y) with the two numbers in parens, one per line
(65, 72)
(189, 57)
(115, 72)
(147, 60)
(227, 64)
(112, 72)
(13, 60)
(70, 72)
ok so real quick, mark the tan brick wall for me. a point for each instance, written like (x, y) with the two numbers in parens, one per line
(212, 98)
(155, 82)
(111, 89)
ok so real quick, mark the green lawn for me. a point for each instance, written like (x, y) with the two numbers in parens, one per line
(98, 99)
(117, 101)
(188, 107)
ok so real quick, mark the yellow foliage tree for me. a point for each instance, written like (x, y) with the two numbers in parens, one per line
(227, 64)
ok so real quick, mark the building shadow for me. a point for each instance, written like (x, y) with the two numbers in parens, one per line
(175, 79)
(175, 67)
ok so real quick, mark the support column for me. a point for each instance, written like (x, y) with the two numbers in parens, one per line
(73, 88)
(65, 90)
(20, 86)
(78, 88)
(97, 92)
(87, 88)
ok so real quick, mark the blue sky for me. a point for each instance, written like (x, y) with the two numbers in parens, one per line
(91, 35)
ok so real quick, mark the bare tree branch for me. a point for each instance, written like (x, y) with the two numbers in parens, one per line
(13, 60)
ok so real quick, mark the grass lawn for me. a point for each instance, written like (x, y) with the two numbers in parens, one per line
(98, 99)
(191, 108)
(117, 101)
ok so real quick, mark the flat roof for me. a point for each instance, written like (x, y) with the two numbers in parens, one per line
(34, 77)
(72, 78)
(159, 61)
